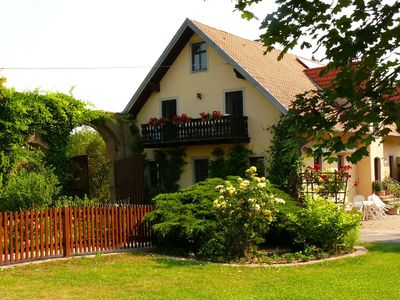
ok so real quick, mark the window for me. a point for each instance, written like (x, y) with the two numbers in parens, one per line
(391, 166)
(154, 174)
(377, 168)
(258, 162)
(200, 169)
(234, 103)
(168, 108)
(199, 57)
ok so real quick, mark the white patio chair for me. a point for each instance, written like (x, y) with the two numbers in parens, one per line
(358, 203)
(380, 206)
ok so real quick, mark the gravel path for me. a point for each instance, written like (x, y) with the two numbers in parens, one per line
(386, 230)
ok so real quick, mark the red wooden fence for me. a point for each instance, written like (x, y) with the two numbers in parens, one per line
(61, 232)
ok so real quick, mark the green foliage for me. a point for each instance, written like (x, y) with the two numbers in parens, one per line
(235, 163)
(325, 225)
(284, 155)
(367, 67)
(186, 220)
(89, 142)
(393, 187)
(170, 167)
(197, 220)
(137, 138)
(48, 116)
(244, 211)
(279, 233)
(30, 185)
(69, 201)
(377, 186)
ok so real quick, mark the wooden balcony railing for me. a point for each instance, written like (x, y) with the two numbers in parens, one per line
(229, 129)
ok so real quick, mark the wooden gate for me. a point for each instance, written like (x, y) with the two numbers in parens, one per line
(78, 181)
(129, 179)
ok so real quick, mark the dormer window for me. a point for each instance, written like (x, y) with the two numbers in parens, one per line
(199, 57)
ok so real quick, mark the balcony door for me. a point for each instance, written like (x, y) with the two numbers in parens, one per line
(234, 103)
(168, 108)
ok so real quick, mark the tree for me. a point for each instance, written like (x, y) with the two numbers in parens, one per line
(360, 40)
(87, 141)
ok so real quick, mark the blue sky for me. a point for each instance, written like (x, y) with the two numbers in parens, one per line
(96, 33)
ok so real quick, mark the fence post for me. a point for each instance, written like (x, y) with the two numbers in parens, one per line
(67, 233)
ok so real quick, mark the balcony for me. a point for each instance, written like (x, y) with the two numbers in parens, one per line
(229, 129)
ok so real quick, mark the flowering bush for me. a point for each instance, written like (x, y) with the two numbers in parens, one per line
(180, 119)
(244, 211)
(215, 115)
(155, 121)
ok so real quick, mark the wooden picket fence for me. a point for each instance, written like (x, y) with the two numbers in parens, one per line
(61, 232)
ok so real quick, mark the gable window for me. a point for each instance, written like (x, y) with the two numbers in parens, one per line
(168, 108)
(234, 103)
(199, 57)
(200, 169)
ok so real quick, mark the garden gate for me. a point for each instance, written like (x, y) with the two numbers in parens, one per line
(129, 179)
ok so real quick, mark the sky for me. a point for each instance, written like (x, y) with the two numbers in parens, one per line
(102, 49)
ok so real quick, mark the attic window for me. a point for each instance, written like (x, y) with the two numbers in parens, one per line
(199, 57)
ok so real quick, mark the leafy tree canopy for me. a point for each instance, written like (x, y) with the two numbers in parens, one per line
(361, 42)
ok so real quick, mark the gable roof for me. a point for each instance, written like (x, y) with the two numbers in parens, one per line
(279, 81)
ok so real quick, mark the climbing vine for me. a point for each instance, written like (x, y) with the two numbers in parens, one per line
(170, 165)
(234, 163)
(49, 115)
(284, 155)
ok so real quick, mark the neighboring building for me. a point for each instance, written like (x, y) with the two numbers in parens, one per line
(204, 70)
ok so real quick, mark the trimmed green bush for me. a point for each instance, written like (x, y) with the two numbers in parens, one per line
(325, 225)
(185, 220)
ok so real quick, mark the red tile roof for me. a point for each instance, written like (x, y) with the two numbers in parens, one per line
(323, 81)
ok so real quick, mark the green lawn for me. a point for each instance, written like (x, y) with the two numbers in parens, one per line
(375, 275)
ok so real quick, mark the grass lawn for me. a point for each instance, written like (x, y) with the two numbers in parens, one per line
(375, 275)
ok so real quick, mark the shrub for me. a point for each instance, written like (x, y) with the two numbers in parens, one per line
(279, 233)
(29, 189)
(185, 220)
(244, 210)
(325, 225)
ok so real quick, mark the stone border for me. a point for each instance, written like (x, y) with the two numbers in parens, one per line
(358, 251)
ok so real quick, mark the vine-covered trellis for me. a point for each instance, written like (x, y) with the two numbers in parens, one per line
(329, 185)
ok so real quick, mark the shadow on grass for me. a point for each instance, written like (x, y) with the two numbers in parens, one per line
(383, 247)
(172, 262)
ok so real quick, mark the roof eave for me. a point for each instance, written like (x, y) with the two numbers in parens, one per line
(156, 66)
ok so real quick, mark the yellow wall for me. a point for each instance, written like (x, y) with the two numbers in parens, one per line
(391, 147)
(182, 84)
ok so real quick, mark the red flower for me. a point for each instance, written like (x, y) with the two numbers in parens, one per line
(323, 176)
(317, 167)
(356, 183)
(152, 121)
(216, 115)
(204, 116)
(345, 167)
